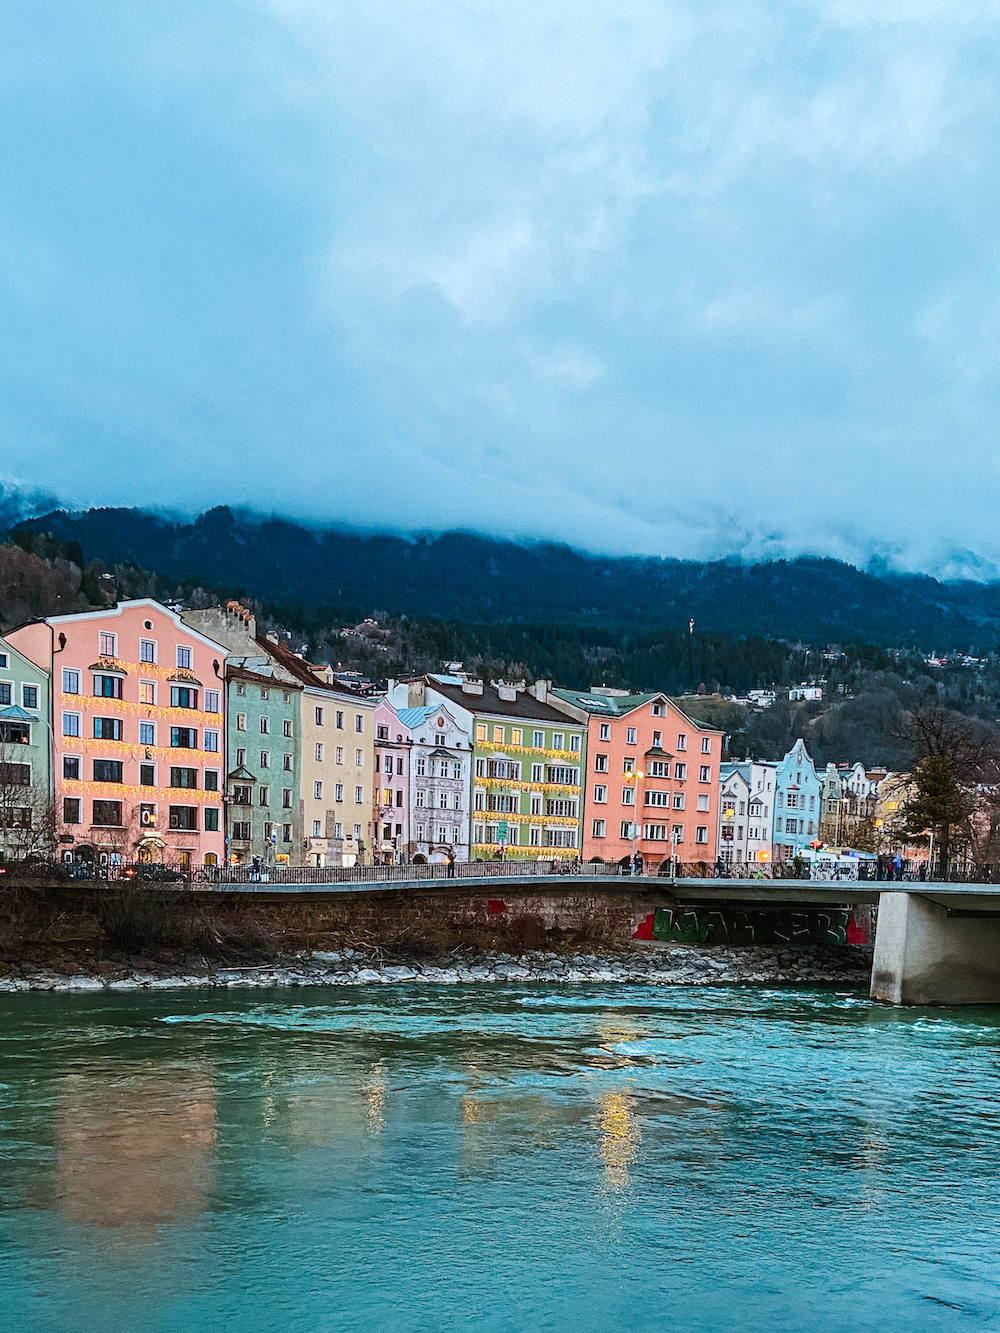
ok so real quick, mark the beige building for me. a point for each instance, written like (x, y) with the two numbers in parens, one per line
(338, 765)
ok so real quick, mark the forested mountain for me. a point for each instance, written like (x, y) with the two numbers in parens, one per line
(472, 579)
(549, 611)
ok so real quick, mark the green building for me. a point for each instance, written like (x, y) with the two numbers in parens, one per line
(264, 760)
(27, 825)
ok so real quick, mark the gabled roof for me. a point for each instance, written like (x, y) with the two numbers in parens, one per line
(415, 717)
(303, 671)
(607, 705)
(490, 703)
(272, 682)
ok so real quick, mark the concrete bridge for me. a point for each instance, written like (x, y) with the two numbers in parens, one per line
(936, 945)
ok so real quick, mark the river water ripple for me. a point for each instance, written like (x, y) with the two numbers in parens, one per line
(504, 1158)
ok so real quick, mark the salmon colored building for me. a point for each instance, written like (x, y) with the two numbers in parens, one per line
(652, 783)
(137, 734)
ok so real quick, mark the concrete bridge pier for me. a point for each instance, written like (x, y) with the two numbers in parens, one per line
(937, 948)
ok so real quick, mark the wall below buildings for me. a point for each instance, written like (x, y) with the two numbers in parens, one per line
(79, 919)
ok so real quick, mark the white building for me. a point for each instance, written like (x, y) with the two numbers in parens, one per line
(745, 812)
(440, 772)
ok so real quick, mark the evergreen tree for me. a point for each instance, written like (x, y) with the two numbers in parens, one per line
(940, 805)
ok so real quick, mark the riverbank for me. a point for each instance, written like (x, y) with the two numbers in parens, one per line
(673, 964)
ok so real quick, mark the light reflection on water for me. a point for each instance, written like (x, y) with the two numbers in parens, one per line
(421, 1158)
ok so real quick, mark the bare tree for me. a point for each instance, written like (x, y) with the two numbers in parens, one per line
(954, 758)
(27, 810)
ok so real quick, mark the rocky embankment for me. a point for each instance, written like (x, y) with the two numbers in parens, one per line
(664, 965)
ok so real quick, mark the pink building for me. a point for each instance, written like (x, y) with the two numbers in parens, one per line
(391, 788)
(138, 734)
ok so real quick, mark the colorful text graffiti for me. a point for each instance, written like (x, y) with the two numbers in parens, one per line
(732, 925)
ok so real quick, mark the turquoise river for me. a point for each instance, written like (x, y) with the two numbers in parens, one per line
(497, 1158)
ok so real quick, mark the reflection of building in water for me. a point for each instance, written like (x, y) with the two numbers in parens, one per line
(136, 1150)
(620, 1136)
(375, 1089)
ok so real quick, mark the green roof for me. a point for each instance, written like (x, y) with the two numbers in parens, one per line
(607, 705)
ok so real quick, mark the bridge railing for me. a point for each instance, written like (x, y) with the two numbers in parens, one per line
(234, 876)
(42, 871)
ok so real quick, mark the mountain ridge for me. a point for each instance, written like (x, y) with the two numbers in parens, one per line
(466, 576)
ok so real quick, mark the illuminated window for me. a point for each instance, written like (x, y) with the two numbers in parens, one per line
(515, 736)
(480, 731)
(147, 692)
(498, 735)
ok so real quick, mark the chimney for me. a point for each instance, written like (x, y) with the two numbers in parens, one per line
(508, 693)
(541, 690)
(472, 687)
(272, 636)
(417, 694)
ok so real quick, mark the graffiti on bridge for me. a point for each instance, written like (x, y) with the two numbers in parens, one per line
(703, 925)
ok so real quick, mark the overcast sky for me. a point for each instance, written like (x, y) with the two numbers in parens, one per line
(694, 279)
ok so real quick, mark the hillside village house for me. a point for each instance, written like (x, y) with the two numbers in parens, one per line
(651, 766)
(527, 763)
(25, 755)
(138, 701)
